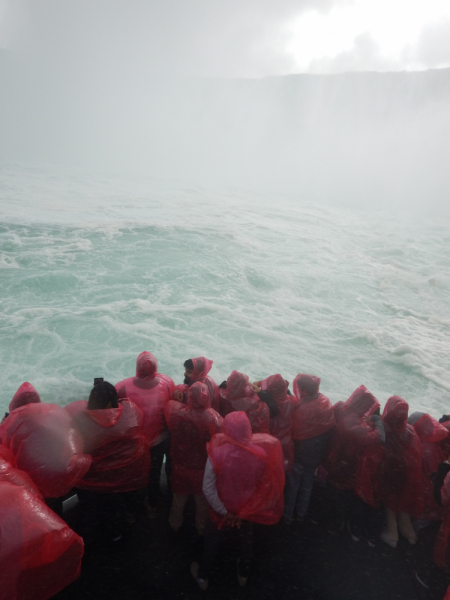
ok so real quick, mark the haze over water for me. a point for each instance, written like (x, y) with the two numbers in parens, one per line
(96, 269)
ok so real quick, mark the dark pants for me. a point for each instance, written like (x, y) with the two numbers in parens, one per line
(157, 457)
(213, 539)
(98, 509)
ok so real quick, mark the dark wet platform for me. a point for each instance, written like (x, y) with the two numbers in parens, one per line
(290, 563)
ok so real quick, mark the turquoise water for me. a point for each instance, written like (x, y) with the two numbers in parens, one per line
(96, 269)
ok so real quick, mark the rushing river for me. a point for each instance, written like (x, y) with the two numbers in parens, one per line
(96, 269)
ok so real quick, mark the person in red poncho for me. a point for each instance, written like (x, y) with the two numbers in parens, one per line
(313, 423)
(237, 394)
(358, 431)
(113, 435)
(243, 484)
(26, 394)
(191, 427)
(197, 369)
(430, 433)
(150, 391)
(400, 477)
(275, 393)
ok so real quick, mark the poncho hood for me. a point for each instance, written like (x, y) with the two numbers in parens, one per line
(237, 426)
(26, 394)
(395, 414)
(146, 366)
(237, 386)
(198, 396)
(276, 386)
(105, 417)
(362, 402)
(202, 366)
(306, 387)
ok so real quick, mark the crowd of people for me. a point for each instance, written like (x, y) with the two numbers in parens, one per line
(248, 452)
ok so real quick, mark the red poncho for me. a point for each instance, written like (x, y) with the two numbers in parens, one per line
(202, 366)
(249, 470)
(46, 445)
(119, 448)
(239, 396)
(26, 394)
(281, 425)
(400, 478)
(430, 432)
(191, 427)
(352, 438)
(39, 554)
(314, 414)
(149, 390)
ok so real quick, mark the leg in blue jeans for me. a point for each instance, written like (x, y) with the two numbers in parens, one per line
(293, 484)
(305, 491)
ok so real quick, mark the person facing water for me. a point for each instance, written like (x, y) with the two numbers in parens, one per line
(191, 427)
(113, 434)
(237, 394)
(243, 484)
(150, 391)
(313, 422)
(197, 369)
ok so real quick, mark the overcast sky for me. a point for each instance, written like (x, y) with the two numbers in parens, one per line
(244, 38)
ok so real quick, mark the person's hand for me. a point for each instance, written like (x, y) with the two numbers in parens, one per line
(255, 387)
(178, 395)
(231, 519)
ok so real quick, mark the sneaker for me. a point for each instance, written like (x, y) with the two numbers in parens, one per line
(202, 583)
(387, 538)
(241, 579)
(422, 580)
(354, 532)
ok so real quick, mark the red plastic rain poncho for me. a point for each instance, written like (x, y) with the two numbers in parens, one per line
(149, 390)
(202, 366)
(314, 414)
(430, 432)
(352, 438)
(281, 425)
(47, 446)
(26, 394)
(39, 554)
(249, 470)
(191, 427)
(400, 478)
(119, 448)
(239, 396)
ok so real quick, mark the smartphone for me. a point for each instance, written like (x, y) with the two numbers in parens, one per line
(98, 380)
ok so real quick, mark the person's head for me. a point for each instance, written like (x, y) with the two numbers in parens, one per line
(26, 394)
(306, 386)
(103, 395)
(237, 385)
(276, 386)
(188, 370)
(146, 366)
(395, 413)
(198, 396)
(362, 402)
(236, 425)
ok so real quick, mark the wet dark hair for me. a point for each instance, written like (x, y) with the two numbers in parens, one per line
(102, 394)
(188, 364)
